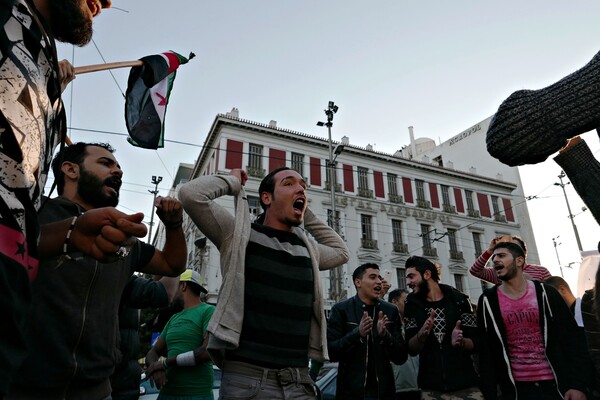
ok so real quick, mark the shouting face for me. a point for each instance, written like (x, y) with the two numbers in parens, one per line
(288, 202)
(369, 286)
(99, 178)
(417, 282)
(505, 264)
(71, 20)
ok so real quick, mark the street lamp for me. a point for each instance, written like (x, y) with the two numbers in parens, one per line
(155, 180)
(335, 274)
(571, 216)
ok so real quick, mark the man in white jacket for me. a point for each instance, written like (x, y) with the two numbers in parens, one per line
(269, 319)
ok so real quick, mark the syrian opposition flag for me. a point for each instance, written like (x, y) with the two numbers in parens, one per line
(147, 96)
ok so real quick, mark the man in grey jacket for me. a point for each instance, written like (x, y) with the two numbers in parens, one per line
(269, 318)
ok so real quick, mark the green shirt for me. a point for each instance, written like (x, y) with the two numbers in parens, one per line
(185, 332)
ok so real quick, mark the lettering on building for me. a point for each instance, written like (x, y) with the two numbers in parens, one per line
(465, 134)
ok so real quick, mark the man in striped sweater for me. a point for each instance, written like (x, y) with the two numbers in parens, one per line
(530, 271)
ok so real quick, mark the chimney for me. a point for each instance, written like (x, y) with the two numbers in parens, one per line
(345, 140)
(234, 113)
(413, 146)
(272, 124)
(369, 147)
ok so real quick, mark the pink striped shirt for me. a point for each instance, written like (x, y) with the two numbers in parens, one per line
(479, 270)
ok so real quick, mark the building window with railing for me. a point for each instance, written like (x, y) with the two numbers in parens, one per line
(446, 206)
(255, 163)
(392, 180)
(477, 243)
(366, 226)
(254, 207)
(469, 198)
(363, 182)
(495, 207)
(428, 249)
(454, 253)
(298, 163)
(334, 223)
(420, 186)
(401, 276)
(458, 282)
(399, 245)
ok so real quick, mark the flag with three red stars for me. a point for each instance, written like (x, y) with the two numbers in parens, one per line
(147, 96)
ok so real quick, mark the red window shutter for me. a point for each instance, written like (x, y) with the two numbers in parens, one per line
(378, 178)
(484, 205)
(508, 210)
(458, 198)
(407, 187)
(233, 156)
(315, 171)
(348, 178)
(433, 193)
(276, 159)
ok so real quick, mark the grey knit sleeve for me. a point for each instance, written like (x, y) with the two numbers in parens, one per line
(583, 170)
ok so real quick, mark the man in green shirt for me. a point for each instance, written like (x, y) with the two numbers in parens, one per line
(187, 370)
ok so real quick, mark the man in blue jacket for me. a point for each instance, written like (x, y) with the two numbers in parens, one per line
(364, 334)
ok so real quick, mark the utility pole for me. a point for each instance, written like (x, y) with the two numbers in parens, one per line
(571, 216)
(335, 274)
(155, 180)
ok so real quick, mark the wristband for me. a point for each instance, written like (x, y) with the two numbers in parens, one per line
(174, 225)
(164, 363)
(68, 237)
(186, 359)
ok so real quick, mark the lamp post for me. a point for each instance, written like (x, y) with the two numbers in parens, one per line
(571, 216)
(556, 251)
(335, 274)
(155, 180)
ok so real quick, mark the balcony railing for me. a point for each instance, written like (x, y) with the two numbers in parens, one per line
(449, 209)
(401, 248)
(456, 255)
(473, 213)
(338, 187)
(500, 218)
(396, 198)
(368, 244)
(430, 252)
(423, 204)
(255, 172)
(368, 193)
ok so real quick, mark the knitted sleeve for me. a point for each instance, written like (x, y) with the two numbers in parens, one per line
(479, 270)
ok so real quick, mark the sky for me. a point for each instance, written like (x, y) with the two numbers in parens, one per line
(440, 67)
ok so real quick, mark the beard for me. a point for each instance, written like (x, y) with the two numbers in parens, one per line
(510, 273)
(91, 189)
(423, 289)
(69, 22)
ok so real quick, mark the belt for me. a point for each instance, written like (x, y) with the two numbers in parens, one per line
(284, 376)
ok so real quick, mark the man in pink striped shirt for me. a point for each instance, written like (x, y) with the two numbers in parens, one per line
(531, 271)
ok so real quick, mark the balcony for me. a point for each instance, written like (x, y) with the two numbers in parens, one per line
(429, 252)
(368, 244)
(396, 198)
(255, 172)
(337, 189)
(424, 204)
(456, 255)
(499, 218)
(401, 248)
(449, 209)
(368, 193)
(473, 213)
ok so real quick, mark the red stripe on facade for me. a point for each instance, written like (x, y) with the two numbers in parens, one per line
(508, 210)
(458, 198)
(315, 171)
(378, 178)
(484, 205)
(348, 178)
(276, 159)
(433, 193)
(407, 188)
(233, 155)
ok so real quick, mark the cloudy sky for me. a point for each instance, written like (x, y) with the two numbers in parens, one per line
(438, 66)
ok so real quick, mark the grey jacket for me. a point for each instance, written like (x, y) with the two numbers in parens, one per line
(231, 234)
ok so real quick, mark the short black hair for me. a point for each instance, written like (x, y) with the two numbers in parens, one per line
(513, 248)
(422, 264)
(359, 272)
(74, 153)
(521, 243)
(396, 294)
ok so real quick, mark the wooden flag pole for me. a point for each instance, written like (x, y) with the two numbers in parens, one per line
(103, 67)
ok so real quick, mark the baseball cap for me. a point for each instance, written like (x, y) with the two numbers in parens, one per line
(192, 276)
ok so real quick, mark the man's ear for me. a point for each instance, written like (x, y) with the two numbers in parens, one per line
(266, 198)
(70, 169)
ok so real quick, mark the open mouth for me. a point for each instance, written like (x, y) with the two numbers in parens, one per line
(114, 183)
(299, 204)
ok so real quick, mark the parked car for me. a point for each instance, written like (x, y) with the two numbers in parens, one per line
(147, 392)
(326, 381)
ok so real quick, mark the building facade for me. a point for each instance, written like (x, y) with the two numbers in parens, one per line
(387, 206)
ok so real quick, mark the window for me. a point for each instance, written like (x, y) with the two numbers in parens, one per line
(330, 221)
(477, 244)
(458, 282)
(392, 181)
(469, 197)
(401, 276)
(254, 206)
(419, 184)
(298, 163)
(366, 228)
(363, 180)
(452, 240)
(445, 195)
(495, 205)
(397, 231)
(426, 236)
(255, 167)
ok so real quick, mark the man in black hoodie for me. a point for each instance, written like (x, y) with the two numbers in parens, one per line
(440, 326)
(364, 334)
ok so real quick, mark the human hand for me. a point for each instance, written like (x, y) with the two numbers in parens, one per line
(382, 322)
(101, 232)
(169, 211)
(457, 338)
(366, 325)
(156, 374)
(490, 248)
(66, 74)
(240, 174)
(570, 143)
(425, 330)
(574, 394)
